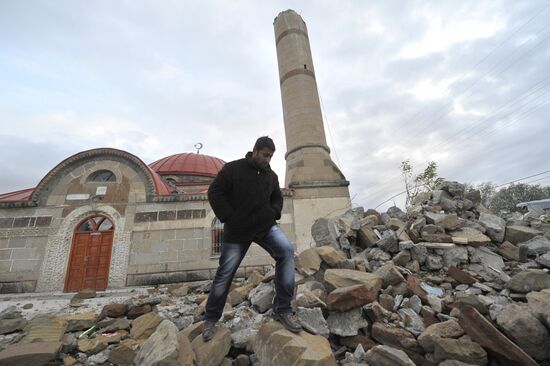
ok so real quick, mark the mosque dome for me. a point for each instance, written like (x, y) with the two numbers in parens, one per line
(189, 164)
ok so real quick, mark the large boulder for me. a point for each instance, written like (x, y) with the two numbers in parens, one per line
(347, 298)
(539, 303)
(338, 278)
(213, 352)
(522, 327)
(529, 280)
(495, 226)
(516, 234)
(162, 347)
(387, 356)
(276, 346)
(325, 232)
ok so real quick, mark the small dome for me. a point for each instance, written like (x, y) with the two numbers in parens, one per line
(188, 164)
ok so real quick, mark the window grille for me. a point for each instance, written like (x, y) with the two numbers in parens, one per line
(217, 233)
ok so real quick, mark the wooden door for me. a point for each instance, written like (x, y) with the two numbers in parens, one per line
(90, 255)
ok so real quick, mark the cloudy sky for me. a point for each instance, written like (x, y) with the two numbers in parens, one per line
(465, 84)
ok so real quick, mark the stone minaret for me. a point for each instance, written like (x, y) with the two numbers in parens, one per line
(320, 188)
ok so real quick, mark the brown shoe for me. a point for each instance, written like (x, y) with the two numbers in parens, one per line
(208, 330)
(289, 321)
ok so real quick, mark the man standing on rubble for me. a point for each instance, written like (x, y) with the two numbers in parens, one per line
(246, 197)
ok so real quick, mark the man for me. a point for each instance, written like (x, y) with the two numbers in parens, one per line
(246, 197)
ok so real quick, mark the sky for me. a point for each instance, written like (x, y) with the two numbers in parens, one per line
(465, 84)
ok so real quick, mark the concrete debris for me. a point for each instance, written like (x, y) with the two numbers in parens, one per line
(444, 283)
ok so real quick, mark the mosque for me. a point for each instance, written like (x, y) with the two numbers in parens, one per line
(102, 218)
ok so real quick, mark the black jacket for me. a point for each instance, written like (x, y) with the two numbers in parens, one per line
(247, 199)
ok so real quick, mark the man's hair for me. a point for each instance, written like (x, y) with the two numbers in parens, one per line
(264, 141)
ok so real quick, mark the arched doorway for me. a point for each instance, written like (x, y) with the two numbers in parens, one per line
(90, 254)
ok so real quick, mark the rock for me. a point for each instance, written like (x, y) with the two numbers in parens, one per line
(447, 329)
(145, 325)
(113, 311)
(494, 225)
(447, 221)
(261, 297)
(530, 280)
(454, 363)
(162, 347)
(86, 293)
(453, 256)
(395, 337)
(118, 324)
(537, 245)
(544, 260)
(325, 232)
(313, 321)
(308, 299)
(387, 356)
(461, 276)
(366, 237)
(402, 258)
(212, 352)
(455, 189)
(388, 242)
(413, 285)
(308, 262)
(179, 290)
(518, 234)
(338, 278)
(390, 275)
(331, 256)
(462, 349)
(523, 328)
(11, 312)
(240, 294)
(93, 345)
(489, 261)
(396, 213)
(81, 321)
(435, 234)
(99, 358)
(346, 324)
(346, 298)
(433, 262)
(242, 327)
(411, 321)
(539, 303)
(45, 328)
(12, 325)
(472, 236)
(275, 346)
(137, 311)
(123, 354)
(509, 251)
(29, 354)
(186, 353)
(482, 331)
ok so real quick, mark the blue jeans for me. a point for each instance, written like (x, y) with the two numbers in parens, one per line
(279, 247)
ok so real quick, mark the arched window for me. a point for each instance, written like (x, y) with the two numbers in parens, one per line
(95, 223)
(102, 176)
(217, 232)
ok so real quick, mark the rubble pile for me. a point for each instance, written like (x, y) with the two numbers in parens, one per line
(445, 283)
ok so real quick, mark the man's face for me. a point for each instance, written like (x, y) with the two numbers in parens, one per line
(262, 157)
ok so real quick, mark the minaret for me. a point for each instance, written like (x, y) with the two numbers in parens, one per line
(320, 188)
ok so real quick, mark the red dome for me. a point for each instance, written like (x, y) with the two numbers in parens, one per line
(188, 164)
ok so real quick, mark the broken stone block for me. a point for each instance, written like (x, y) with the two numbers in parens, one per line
(509, 251)
(348, 323)
(411, 321)
(539, 303)
(139, 310)
(240, 294)
(537, 245)
(495, 226)
(390, 275)
(242, 326)
(113, 311)
(145, 325)
(346, 298)
(276, 346)
(395, 337)
(331, 256)
(338, 278)
(402, 258)
(529, 280)
(446, 221)
(29, 354)
(387, 356)
(447, 329)
(472, 236)
(518, 234)
(482, 331)
(523, 328)
(325, 232)
(81, 321)
(214, 351)
(544, 260)
(388, 242)
(366, 237)
(261, 297)
(453, 256)
(434, 233)
(45, 328)
(308, 299)
(12, 325)
(433, 262)
(461, 276)
(455, 189)
(462, 349)
(313, 321)
(123, 354)
(308, 262)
